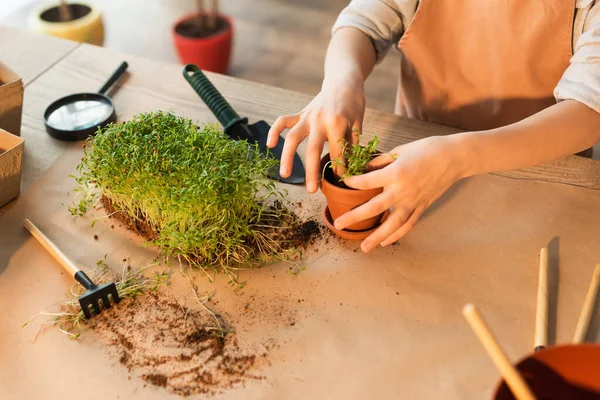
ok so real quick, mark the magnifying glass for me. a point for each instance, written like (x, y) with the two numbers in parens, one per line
(78, 116)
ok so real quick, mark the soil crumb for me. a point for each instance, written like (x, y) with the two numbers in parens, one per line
(175, 347)
(305, 234)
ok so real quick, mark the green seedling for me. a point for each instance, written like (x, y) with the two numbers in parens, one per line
(356, 156)
(203, 197)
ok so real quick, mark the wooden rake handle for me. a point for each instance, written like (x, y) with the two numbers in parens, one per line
(511, 376)
(51, 247)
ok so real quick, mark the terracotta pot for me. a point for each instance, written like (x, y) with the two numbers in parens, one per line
(561, 372)
(209, 53)
(86, 25)
(341, 200)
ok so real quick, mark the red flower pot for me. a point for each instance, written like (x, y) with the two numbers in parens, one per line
(210, 52)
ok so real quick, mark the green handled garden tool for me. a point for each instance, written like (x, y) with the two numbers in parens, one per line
(94, 294)
(237, 127)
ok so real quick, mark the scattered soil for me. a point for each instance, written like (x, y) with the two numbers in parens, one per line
(264, 315)
(298, 235)
(175, 347)
(305, 234)
(195, 29)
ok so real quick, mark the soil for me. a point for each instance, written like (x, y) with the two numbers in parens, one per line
(137, 225)
(77, 11)
(296, 234)
(194, 29)
(175, 347)
(333, 179)
(304, 234)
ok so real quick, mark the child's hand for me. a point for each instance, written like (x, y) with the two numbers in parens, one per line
(332, 115)
(413, 176)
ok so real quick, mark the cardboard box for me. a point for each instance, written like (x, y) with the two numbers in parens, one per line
(11, 161)
(11, 100)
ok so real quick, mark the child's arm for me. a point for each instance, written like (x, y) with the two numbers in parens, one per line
(565, 128)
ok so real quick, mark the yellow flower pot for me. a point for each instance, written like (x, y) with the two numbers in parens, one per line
(86, 25)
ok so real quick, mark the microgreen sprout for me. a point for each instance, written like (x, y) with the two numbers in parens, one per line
(200, 196)
(356, 157)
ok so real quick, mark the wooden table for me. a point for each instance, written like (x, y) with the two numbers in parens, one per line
(399, 307)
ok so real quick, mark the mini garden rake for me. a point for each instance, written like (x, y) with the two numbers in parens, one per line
(94, 294)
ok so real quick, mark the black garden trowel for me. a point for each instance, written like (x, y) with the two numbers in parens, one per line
(237, 127)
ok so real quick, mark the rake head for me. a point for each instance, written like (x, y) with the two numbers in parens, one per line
(96, 298)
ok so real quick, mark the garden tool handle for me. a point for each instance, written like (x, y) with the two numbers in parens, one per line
(51, 248)
(114, 77)
(211, 96)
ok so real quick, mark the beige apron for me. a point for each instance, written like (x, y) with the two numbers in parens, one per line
(482, 64)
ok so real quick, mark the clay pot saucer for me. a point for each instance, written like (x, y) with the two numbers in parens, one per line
(560, 372)
(347, 234)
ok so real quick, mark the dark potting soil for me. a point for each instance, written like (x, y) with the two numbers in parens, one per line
(297, 234)
(195, 29)
(176, 347)
(77, 11)
(333, 179)
(137, 224)
(305, 234)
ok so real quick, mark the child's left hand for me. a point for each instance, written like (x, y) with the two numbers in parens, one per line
(413, 176)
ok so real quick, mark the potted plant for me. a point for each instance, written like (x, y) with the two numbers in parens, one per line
(192, 192)
(204, 38)
(341, 198)
(81, 22)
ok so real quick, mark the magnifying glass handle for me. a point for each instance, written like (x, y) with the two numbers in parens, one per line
(114, 77)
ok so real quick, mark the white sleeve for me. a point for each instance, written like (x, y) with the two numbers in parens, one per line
(581, 80)
(383, 21)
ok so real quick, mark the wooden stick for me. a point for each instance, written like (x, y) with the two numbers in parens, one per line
(212, 22)
(588, 308)
(51, 247)
(540, 340)
(64, 11)
(200, 7)
(511, 376)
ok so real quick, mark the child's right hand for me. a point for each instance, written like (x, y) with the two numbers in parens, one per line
(332, 115)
